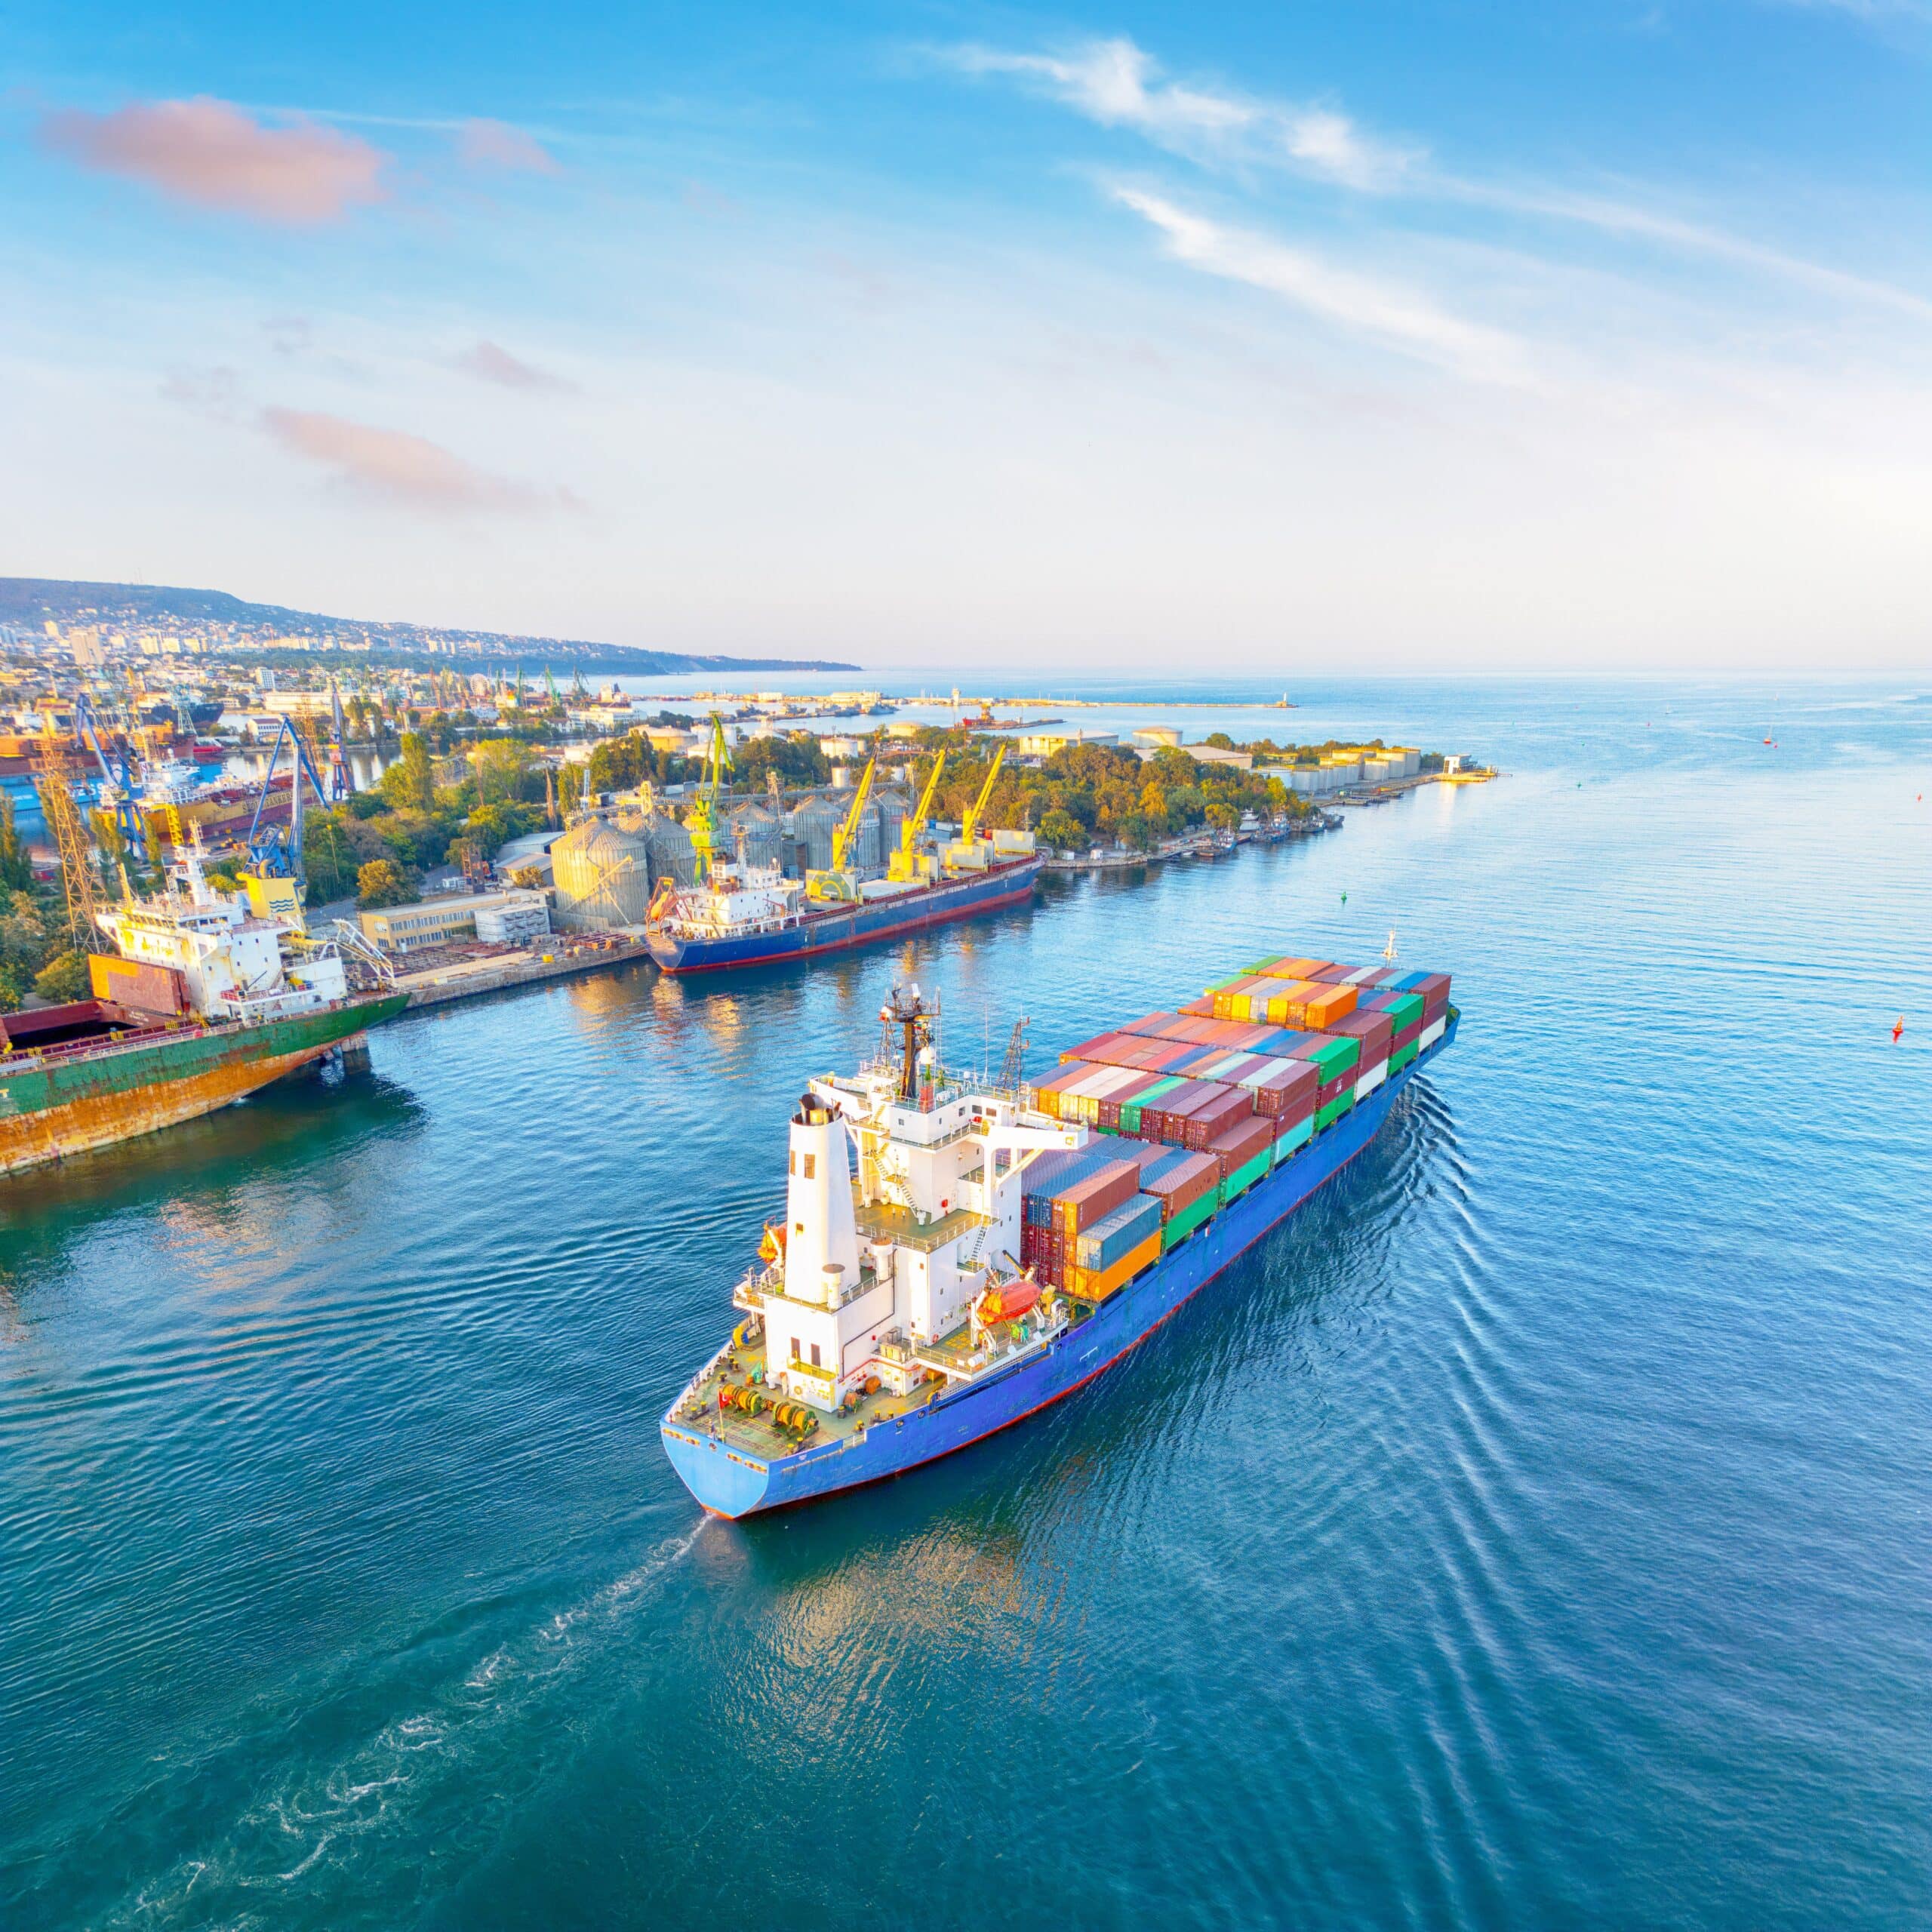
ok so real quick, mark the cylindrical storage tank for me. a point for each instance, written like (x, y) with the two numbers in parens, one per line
(894, 808)
(752, 833)
(603, 877)
(812, 825)
(672, 854)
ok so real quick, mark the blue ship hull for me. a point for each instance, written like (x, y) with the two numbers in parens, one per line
(836, 930)
(730, 1483)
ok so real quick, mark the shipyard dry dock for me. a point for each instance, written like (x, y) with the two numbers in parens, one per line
(998, 1247)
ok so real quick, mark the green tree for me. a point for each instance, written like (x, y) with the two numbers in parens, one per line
(15, 868)
(381, 882)
(1061, 831)
(63, 979)
(411, 781)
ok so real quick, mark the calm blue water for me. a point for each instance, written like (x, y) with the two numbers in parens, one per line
(1537, 1532)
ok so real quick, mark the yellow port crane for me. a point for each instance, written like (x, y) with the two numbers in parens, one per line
(702, 823)
(966, 854)
(969, 828)
(839, 881)
(908, 865)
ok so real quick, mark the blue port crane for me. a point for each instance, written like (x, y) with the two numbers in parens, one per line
(271, 852)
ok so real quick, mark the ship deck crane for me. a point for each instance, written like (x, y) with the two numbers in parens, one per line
(839, 881)
(908, 865)
(969, 828)
(964, 855)
(702, 823)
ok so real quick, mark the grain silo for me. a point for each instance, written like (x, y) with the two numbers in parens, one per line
(603, 877)
(812, 825)
(753, 833)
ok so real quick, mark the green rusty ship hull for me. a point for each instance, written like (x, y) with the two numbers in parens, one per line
(65, 1104)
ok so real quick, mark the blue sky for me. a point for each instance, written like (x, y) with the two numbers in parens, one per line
(1373, 337)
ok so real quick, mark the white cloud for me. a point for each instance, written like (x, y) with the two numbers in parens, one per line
(1397, 317)
(1116, 84)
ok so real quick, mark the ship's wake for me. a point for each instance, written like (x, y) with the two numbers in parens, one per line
(292, 1851)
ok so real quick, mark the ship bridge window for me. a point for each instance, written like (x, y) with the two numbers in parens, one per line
(811, 1166)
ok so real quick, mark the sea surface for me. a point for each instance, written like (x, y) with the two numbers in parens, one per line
(1536, 1531)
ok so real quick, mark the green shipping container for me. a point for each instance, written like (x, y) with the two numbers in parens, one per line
(1297, 1137)
(1129, 1114)
(1406, 1010)
(1338, 1054)
(1334, 1111)
(1243, 1178)
(1400, 1057)
(1184, 1223)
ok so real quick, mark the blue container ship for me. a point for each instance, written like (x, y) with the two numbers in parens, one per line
(890, 1318)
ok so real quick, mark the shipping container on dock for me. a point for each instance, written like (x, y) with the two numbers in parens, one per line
(1134, 1173)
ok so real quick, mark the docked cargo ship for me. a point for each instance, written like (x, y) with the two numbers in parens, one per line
(738, 914)
(1000, 1244)
(211, 996)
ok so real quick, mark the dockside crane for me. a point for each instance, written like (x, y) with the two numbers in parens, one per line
(909, 866)
(266, 848)
(702, 823)
(341, 783)
(839, 881)
(969, 828)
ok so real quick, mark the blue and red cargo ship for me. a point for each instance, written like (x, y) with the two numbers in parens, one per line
(774, 925)
(891, 1319)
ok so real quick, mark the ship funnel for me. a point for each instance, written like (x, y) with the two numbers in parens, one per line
(821, 1233)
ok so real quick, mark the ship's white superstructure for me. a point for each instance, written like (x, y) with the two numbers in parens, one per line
(897, 1261)
(242, 955)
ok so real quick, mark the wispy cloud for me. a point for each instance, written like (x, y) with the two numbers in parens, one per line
(490, 362)
(1398, 317)
(401, 468)
(495, 144)
(1116, 84)
(211, 154)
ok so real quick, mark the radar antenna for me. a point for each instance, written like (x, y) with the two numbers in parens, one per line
(1014, 1064)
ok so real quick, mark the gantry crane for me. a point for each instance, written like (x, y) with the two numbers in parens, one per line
(909, 866)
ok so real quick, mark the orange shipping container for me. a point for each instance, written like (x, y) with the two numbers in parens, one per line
(1331, 1003)
(1096, 1284)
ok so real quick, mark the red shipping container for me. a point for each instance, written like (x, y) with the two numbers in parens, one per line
(1431, 1014)
(1343, 1083)
(1087, 1048)
(1376, 1031)
(1183, 1183)
(1215, 1117)
(1432, 986)
(1148, 1023)
(1285, 1089)
(1108, 1111)
(1199, 1009)
(1413, 1030)
(1239, 1145)
(1100, 1193)
(1155, 1117)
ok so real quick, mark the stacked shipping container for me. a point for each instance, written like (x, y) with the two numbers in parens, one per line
(1199, 1104)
